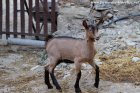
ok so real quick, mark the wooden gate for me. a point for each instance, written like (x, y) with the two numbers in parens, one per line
(21, 18)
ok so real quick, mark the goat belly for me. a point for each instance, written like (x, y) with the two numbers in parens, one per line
(66, 61)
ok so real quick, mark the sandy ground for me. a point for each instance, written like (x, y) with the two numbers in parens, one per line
(17, 77)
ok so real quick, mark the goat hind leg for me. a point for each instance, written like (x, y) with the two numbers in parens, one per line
(55, 82)
(51, 70)
(47, 81)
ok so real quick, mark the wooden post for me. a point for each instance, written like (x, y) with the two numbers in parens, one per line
(45, 6)
(0, 19)
(22, 18)
(15, 18)
(37, 17)
(7, 19)
(53, 15)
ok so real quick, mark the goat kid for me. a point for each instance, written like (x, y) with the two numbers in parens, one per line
(72, 50)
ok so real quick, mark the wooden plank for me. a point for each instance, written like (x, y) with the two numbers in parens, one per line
(53, 15)
(22, 18)
(19, 33)
(37, 17)
(7, 19)
(15, 17)
(30, 17)
(45, 17)
(0, 19)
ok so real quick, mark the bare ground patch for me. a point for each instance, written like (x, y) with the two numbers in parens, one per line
(17, 77)
(118, 66)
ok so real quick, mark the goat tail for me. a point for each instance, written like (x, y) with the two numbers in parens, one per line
(48, 37)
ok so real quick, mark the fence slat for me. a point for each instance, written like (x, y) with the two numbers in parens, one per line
(22, 18)
(37, 17)
(15, 17)
(45, 17)
(0, 19)
(53, 16)
(7, 19)
(30, 17)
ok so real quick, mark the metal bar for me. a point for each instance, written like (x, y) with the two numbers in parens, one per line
(37, 17)
(19, 33)
(0, 19)
(15, 17)
(22, 18)
(7, 18)
(53, 15)
(27, 42)
(45, 17)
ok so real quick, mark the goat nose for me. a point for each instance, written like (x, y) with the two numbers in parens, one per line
(97, 38)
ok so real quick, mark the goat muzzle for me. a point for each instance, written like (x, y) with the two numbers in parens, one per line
(97, 38)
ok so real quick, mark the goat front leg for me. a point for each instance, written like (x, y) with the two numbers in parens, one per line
(52, 66)
(97, 79)
(78, 72)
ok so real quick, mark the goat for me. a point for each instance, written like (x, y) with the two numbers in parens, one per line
(72, 50)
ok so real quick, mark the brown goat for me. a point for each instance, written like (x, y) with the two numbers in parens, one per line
(72, 50)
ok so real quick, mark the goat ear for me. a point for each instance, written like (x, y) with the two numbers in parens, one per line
(85, 24)
(100, 21)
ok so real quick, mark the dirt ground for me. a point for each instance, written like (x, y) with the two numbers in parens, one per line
(16, 75)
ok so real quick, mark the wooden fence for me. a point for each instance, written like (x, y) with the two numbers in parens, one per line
(29, 13)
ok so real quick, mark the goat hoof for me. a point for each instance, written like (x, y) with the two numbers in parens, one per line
(50, 87)
(77, 90)
(59, 89)
(96, 85)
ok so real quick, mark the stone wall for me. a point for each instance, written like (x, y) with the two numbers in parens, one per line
(120, 36)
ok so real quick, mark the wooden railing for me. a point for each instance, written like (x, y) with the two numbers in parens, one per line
(25, 20)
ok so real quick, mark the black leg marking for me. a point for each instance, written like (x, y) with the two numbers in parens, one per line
(47, 81)
(77, 88)
(55, 82)
(97, 79)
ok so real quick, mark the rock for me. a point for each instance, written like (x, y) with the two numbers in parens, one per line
(79, 16)
(138, 48)
(63, 66)
(130, 43)
(109, 15)
(138, 32)
(85, 3)
(66, 74)
(10, 59)
(135, 59)
(26, 66)
(67, 5)
(37, 69)
(98, 62)
(15, 48)
(86, 66)
(3, 42)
